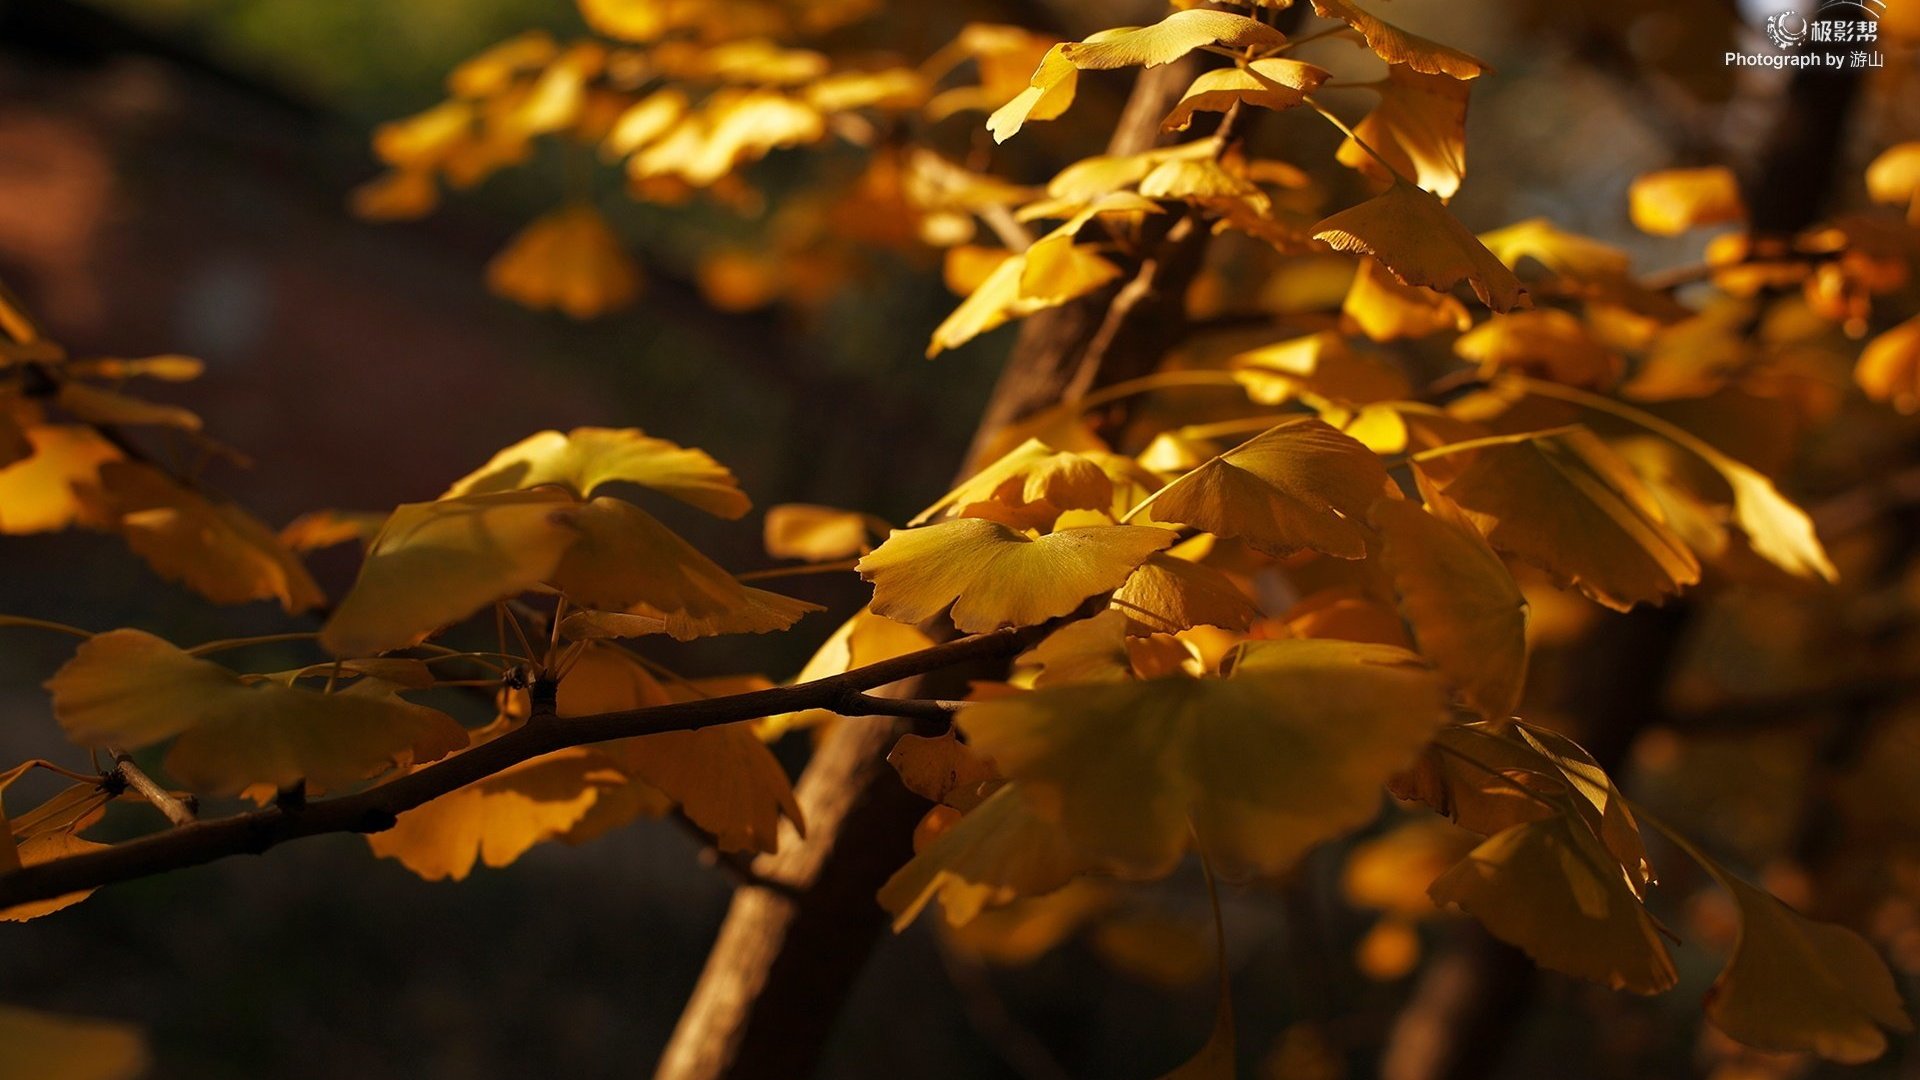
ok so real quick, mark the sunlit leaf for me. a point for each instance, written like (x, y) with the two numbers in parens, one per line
(570, 261)
(1172, 38)
(994, 576)
(39, 494)
(1300, 484)
(583, 459)
(1413, 236)
(1396, 46)
(1272, 83)
(1419, 127)
(497, 819)
(1669, 203)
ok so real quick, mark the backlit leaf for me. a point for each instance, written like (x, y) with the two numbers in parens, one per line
(1289, 751)
(436, 563)
(1301, 484)
(1419, 127)
(1564, 502)
(998, 852)
(1796, 984)
(1669, 203)
(1272, 83)
(624, 559)
(583, 459)
(127, 688)
(1413, 236)
(1467, 613)
(569, 261)
(39, 493)
(1550, 888)
(1396, 46)
(1172, 38)
(994, 576)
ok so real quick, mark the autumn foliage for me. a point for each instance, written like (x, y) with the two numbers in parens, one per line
(1238, 600)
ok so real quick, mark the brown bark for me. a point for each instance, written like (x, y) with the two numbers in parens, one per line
(788, 953)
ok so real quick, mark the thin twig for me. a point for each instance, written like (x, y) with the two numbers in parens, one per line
(175, 809)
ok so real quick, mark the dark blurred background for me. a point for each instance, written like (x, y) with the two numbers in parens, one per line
(173, 178)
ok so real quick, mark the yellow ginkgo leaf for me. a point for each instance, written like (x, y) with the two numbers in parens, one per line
(40, 493)
(1564, 502)
(1172, 38)
(52, 1046)
(1396, 46)
(497, 819)
(568, 260)
(624, 559)
(1776, 529)
(999, 851)
(438, 562)
(1289, 751)
(1068, 272)
(396, 195)
(644, 121)
(818, 533)
(1795, 984)
(215, 548)
(1489, 776)
(1566, 254)
(1385, 310)
(1419, 127)
(994, 576)
(1083, 651)
(583, 459)
(1894, 177)
(1272, 83)
(864, 639)
(34, 850)
(1548, 343)
(1467, 613)
(1889, 367)
(1392, 871)
(495, 68)
(1029, 474)
(1323, 365)
(1300, 484)
(1669, 203)
(942, 769)
(1550, 888)
(1168, 594)
(127, 688)
(1412, 235)
(723, 777)
(1049, 92)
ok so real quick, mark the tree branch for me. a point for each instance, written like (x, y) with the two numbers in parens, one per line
(176, 810)
(376, 808)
